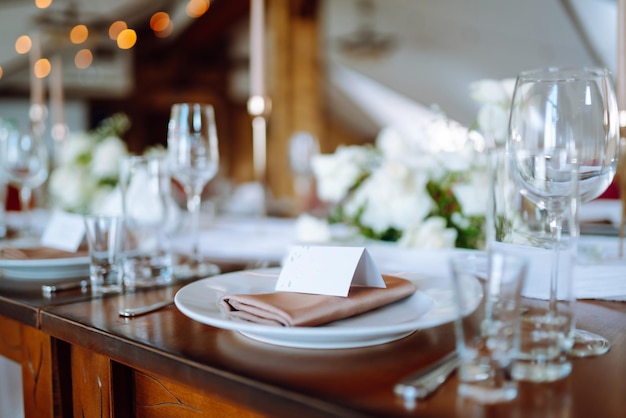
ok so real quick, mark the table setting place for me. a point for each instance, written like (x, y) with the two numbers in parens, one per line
(511, 303)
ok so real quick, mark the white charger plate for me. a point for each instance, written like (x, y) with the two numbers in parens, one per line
(45, 269)
(431, 305)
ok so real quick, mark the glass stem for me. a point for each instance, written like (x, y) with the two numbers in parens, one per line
(25, 197)
(193, 206)
(556, 225)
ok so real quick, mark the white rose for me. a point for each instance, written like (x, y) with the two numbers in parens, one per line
(473, 196)
(431, 234)
(493, 91)
(312, 230)
(70, 188)
(493, 120)
(392, 197)
(74, 146)
(337, 173)
(106, 157)
(393, 145)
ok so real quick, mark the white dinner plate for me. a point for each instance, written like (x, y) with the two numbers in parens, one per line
(429, 306)
(45, 269)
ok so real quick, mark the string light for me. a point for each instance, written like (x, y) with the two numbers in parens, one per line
(23, 44)
(115, 29)
(161, 24)
(42, 68)
(126, 39)
(196, 8)
(43, 4)
(79, 34)
(83, 59)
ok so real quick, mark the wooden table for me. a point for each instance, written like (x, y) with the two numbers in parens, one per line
(79, 358)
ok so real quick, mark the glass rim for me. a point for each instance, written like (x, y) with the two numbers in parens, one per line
(556, 74)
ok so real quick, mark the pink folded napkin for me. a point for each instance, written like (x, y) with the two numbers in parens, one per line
(290, 309)
(38, 253)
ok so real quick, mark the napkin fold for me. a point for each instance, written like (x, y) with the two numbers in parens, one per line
(38, 253)
(290, 309)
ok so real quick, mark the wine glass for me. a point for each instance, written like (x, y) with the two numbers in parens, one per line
(25, 164)
(194, 160)
(564, 121)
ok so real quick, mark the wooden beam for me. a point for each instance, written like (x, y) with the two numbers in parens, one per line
(294, 80)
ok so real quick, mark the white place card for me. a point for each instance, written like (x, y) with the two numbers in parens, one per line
(64, 231)
(328, 270)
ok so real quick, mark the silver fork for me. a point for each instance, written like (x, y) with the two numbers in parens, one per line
(426, 381)
(142, 310)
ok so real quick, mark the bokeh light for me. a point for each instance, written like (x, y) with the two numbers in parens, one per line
(159, 21)
(23, 44)
(43, 4)
(79, 34)
(83, 59)
(42, 68)
(196, 8)
(115, 29)
(126, 39)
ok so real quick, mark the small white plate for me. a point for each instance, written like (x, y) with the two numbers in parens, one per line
(430, 306)
(45, 269)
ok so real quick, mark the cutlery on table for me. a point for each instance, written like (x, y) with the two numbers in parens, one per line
(48, 289)
(142, 310)
(426, 381)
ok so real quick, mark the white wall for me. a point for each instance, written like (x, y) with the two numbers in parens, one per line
(444, 45)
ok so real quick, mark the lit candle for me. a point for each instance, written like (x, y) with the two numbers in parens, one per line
(257, 53)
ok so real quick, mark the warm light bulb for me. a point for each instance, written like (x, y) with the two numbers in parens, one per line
(43, 4)
(79, 34)
(196, 8)
(1, 72)
(159, 21)
(126, 39)
(83, 59)
(42, 68)
(23, 44)
(115, 29)
(165, 32)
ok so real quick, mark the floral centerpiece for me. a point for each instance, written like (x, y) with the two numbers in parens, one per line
(428, 189)
(87, 166)
(495, 97)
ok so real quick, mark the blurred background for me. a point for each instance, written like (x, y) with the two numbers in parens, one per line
(334, 68)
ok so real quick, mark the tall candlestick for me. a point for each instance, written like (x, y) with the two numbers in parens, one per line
(257, 48)
(37, 111)
(59, 129)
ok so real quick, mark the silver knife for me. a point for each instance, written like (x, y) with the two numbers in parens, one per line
(426, 381)
(47, 290)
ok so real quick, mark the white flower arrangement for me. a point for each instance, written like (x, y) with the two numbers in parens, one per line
(495, 97)
(87, 166)
(424, 191)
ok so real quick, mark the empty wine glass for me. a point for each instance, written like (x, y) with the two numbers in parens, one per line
(598, 154)
(25, 164)
(564, 121)
(194, 160)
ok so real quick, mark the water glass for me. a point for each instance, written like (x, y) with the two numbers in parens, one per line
(145, 186)
(487, 339)
(104, 237)
(517, 226)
